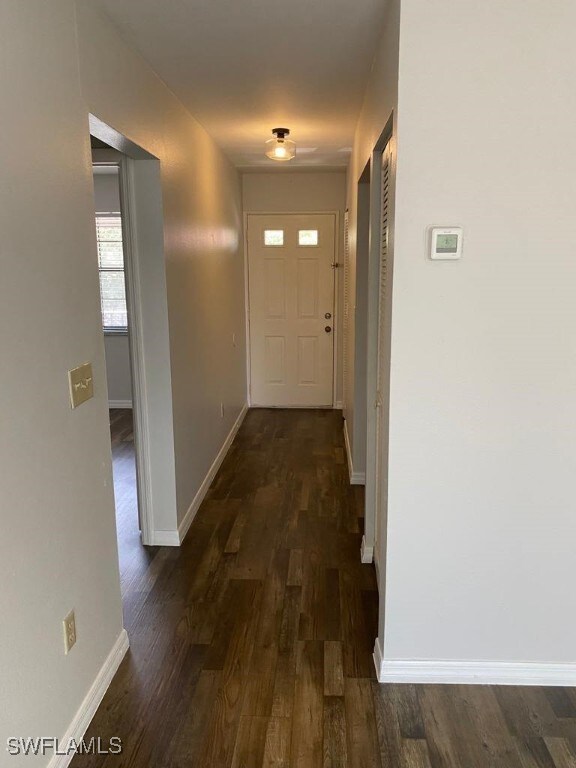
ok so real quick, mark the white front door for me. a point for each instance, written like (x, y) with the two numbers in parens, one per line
(291, 297)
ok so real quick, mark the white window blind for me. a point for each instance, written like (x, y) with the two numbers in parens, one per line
(111, 268)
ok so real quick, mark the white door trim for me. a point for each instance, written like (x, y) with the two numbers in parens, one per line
(140, 193)
(372, 362)
(336, 318)
(137, 351)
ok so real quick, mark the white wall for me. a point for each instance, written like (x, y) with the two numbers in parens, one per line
(482, 457)
(300, 192)
(116, 347)
(60, 545)
(482, 451)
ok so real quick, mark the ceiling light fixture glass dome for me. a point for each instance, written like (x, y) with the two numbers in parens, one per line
(280, 148)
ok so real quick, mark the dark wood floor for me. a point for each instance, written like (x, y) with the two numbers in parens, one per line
(134, 558)
(251, 644)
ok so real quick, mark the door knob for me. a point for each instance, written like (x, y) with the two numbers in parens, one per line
(327, 329)
(327, 315)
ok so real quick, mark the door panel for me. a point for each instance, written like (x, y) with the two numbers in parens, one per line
(291, 288)
(308, 289)
(307, 360)
(275, 360)
(275, 289)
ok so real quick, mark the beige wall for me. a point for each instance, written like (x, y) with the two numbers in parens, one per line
(106, 188)
(203, 245)
(60, 544)
(482, 456)
(118, 372)
(289, 192)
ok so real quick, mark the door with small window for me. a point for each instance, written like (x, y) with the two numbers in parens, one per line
(291, 260)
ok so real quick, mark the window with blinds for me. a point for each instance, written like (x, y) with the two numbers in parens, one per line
(111, 269)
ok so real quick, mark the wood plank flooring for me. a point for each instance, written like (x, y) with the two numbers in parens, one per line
(251, 644)
(134, 558)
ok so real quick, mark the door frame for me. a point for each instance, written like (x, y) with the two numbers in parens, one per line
(148, 334)
(337, 256)
(368, 547)
(105, 157)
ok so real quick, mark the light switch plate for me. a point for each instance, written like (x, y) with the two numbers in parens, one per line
(81, 384)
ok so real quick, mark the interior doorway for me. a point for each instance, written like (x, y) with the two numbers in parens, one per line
(140, 230)
(116, 323)
(378, 345)
(291, 282)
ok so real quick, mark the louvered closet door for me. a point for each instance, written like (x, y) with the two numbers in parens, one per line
(383, 367)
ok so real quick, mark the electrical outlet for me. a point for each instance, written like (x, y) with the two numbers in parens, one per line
(69, 626)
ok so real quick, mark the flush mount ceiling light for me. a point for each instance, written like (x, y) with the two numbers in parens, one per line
(280, 148)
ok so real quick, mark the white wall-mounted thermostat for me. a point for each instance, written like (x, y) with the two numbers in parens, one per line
(446, 243)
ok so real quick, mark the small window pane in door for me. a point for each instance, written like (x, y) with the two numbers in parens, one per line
(273, 237)
(308, 237)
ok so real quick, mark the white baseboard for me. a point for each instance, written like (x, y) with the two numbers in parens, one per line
(471, 672)
(120, 404)
(366, 552)
(165, 539)
(356, 478)
(92, 700)
(203, 490)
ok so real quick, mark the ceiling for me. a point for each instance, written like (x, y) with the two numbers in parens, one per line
(243, 67)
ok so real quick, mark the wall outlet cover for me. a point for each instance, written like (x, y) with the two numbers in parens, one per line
(69, 626)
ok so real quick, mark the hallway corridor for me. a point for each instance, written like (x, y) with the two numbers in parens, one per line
(231, 634)
(251, 645)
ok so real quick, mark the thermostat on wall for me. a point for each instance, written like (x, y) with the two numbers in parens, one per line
(446, 243)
